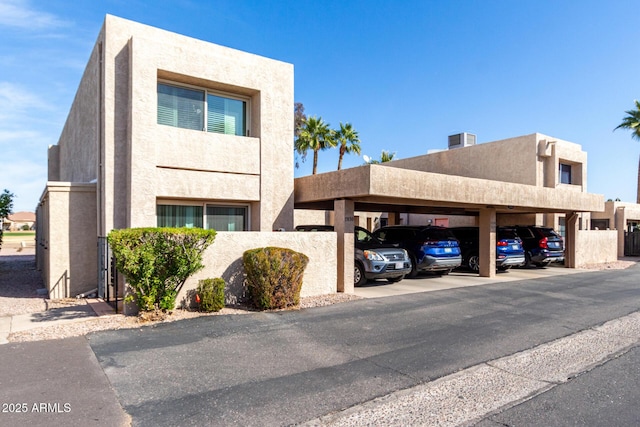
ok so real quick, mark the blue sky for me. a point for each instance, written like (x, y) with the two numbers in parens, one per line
(406, 74)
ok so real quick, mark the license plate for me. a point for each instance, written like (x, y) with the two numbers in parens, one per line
(447, 250)
(514, 247)
(399, 265)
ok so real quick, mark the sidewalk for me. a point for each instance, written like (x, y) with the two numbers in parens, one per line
(20, 283)
(54, 316)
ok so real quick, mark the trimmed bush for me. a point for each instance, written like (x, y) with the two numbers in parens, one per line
(274, 276)
(210, 294)
(158, 261)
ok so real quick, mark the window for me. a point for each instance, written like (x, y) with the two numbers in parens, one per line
(191, 108)
(180, 107)
(565, 173)
(179, 216)
(220, 218)
(227, 218)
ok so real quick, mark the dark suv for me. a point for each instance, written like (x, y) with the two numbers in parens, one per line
(431, 248)
(542, 245)
(373, 259)
(509, 251)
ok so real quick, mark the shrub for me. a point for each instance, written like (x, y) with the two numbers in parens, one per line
(210, 294)
(158, 261)
(274, 276)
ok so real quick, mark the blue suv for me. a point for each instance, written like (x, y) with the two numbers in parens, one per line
(431, 248)
(509, 250)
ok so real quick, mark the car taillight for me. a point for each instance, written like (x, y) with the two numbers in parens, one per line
(543, 243)
(502, 243)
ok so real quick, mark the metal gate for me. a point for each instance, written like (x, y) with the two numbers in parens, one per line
(107, 274)
(632, 243)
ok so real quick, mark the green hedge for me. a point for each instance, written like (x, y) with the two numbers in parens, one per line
(158, 261)
(274, 276)
(210, 294)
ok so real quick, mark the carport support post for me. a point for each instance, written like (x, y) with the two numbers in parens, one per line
(570, 244)
(343, 226)
(487, 242)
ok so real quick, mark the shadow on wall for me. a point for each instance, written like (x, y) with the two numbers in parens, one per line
(235, 291)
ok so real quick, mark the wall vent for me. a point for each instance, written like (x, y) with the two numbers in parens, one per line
(462, 140)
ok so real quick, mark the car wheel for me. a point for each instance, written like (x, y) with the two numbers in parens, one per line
(358, 275)
(473, 262)
(527, 260)
(394, 279)
(414, 268)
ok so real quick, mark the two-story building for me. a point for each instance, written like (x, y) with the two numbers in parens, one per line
(167, 130)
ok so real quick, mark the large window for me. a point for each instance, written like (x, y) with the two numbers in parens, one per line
(217, 217)
(179, 216)
(191, 108)
(227, 218)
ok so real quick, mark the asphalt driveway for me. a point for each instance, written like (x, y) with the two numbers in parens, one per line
(288, 367)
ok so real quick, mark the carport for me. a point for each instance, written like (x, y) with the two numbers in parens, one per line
(382, 188)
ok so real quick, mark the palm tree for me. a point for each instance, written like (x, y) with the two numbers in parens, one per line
(385, 156)
(349, 142)
(632, 122)
(314, 135)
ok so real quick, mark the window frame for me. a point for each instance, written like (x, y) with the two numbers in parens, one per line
(204, 205)
(562, 173)
(206, 92)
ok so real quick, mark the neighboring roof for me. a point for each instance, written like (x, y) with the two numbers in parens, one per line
(386, 188)
(22, 217)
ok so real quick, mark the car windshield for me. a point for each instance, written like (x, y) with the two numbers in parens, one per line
(507, 233)
(548, 232)
(394, 234)
(438, 234)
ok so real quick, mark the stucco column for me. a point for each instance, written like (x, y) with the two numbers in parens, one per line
(393, 218)
(570, 244)
(487, 253)
(620, 223)
(343, 226)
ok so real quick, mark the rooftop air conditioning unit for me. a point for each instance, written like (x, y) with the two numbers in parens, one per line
(462, 140)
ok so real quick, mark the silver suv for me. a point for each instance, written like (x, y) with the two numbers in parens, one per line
(373, 259)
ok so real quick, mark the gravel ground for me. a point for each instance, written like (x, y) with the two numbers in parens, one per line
(20, 281)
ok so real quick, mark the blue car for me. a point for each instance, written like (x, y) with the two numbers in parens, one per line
(509, 249)
(431, 248)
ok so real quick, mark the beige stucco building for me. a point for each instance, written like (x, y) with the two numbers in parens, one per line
(528, 180)
(167, 130)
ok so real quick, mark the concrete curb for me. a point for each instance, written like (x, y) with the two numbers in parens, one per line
(474, 393)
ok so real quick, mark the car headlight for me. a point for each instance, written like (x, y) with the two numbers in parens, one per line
(373, 256)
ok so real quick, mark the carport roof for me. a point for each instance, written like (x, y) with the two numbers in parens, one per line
(386, 188)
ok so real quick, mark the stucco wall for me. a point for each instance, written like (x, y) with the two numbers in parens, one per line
(618, 214)
(78, 143)
(530, 159)
(224, 259)
(596, 246)
(207, 166)
(66, 250)
(511, 160)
